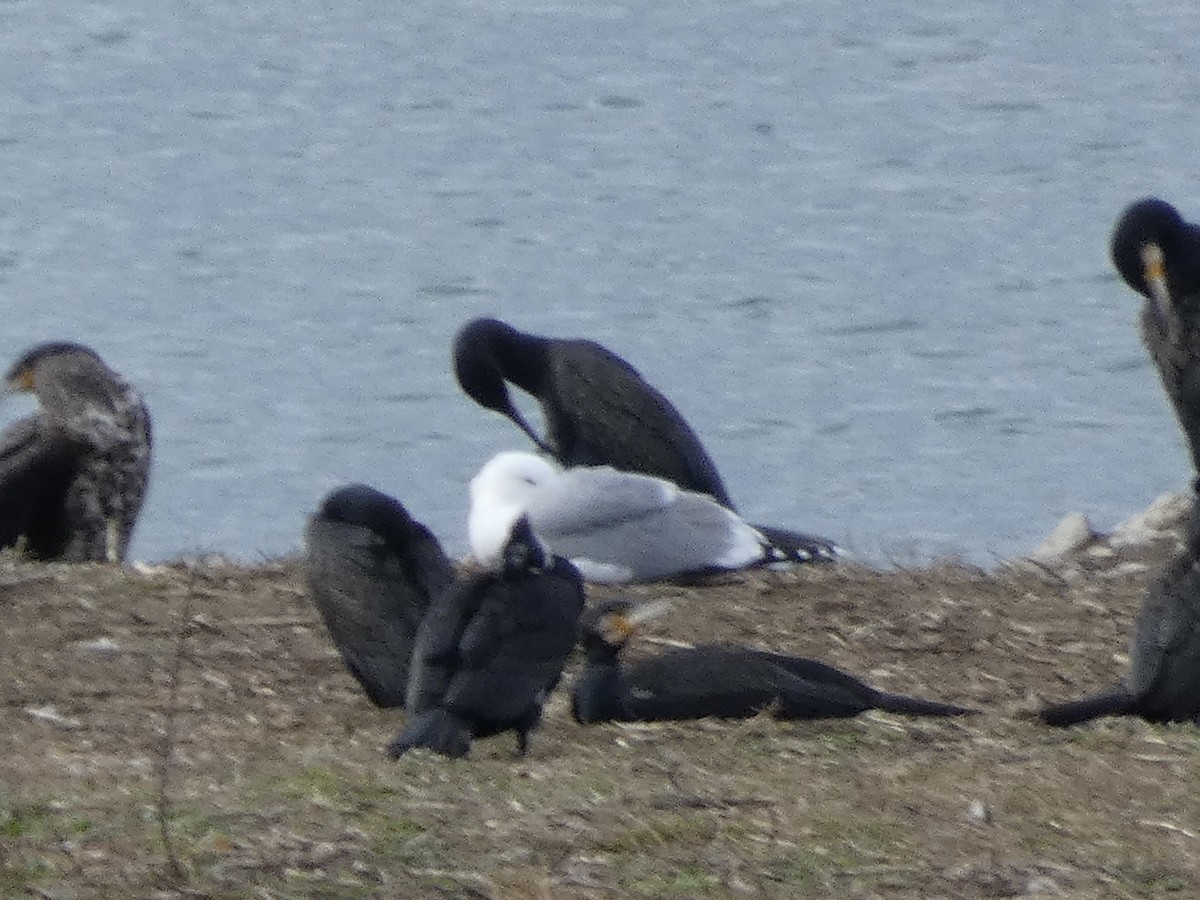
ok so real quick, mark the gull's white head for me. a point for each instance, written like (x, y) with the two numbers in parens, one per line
(500, 494)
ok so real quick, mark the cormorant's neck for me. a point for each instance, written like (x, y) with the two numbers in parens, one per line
(522, 358)
(599, 694)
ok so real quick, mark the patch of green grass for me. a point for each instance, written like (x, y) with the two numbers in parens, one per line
(684, 881)
(673, 828)
(319, 886)
(24, 828)
(40, 820)
(326, 788)
(800, 872)
(1150, 880)
(26, 820)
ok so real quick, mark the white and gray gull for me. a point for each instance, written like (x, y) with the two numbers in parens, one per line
(614, 526)
(598, 411)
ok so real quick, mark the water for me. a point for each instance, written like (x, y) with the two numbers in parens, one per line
(862, 247)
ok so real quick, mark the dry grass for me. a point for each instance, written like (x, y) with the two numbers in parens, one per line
(276, 784)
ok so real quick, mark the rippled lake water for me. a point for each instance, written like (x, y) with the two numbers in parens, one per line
(861, 246)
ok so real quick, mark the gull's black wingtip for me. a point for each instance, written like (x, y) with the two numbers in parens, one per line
(792, 546)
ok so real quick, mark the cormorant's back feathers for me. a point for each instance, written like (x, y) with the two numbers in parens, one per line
(372, 571)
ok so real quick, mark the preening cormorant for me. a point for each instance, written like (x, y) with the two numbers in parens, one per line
(598, 411)
(491, 649)
(73, 475)
(614, 526)
(372, 571)
(1158, 255)
(715, 680)
(1163, 682)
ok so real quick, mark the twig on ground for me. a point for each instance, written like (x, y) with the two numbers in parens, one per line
(162, 802)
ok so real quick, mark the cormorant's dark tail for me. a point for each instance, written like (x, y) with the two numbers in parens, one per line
(1113, 702)
(914, 706)
(436, 730)
(792, 546)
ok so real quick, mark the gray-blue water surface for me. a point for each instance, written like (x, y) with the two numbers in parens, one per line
(861, 246)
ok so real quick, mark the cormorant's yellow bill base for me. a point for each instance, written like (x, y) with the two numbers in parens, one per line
(21, 382)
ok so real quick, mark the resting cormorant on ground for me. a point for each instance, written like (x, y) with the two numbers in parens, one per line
(715, 680)
(614, 526)
(599, 411)
(1158, 255)
(372, 571)
(73, 475)
(491, 649)
(1163, 682)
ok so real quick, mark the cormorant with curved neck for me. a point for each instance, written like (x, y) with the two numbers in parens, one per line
(491, 649)
(373, 571)
(599, 411)
(73, 475)
(1157, 253)
(715, 680)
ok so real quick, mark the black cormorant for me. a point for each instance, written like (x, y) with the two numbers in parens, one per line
(598, 411)
(372, 571)
(491, 649)
(614, 526)
(1158, 255)
(73, 475)
(715, 680)
(1163, 682)
(598, 408)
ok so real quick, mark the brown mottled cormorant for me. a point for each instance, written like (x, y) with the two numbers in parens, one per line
(1158, 255)
(715, 680)
(372, 571)
(614, 526)
(73, 475)
(1163, 682)
(491, 649)
(599, 411)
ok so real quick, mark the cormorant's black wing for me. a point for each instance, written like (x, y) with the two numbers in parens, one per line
(37, 463)
(436, 659)
(824, 691)
(709, 680)
(372, 597)
(602, 412)
(515, 647)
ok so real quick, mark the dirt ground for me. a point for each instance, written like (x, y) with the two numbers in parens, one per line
(188, 730)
